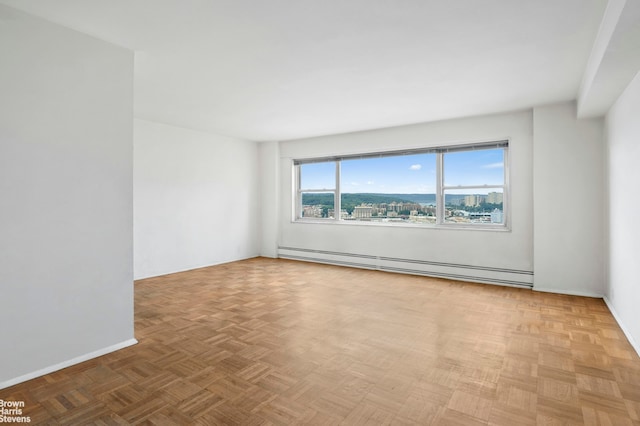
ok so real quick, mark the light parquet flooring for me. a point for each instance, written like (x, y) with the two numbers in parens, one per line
(266, 341)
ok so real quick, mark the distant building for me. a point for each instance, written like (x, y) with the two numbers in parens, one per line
(496, 216)
(362, 212)
(411, 206)
(494, 198)
(471, 200)
(312, 211)
(343, 213)
(429, 210)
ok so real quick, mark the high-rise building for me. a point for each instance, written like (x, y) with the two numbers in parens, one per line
(470, 200)
(494, 198)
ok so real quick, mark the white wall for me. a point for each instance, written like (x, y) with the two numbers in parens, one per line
(623, 141)
(66, 197)
(568, 170)
(269, 158)
(510, 250)
(195, 199)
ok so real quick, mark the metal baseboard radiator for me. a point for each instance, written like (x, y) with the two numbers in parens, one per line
(454, 271)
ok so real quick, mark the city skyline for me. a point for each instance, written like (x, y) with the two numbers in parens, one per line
(469, 208)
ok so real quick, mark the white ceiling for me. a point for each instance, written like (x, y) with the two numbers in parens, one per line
(286, 69)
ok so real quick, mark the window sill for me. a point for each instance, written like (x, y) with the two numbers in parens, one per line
(404, 224)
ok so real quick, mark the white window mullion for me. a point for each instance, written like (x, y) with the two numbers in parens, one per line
(440, 208)
(473, 187)
(298, 203)
(337, 203)
(506, 196)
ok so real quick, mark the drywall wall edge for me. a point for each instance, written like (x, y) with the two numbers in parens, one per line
(68, 363)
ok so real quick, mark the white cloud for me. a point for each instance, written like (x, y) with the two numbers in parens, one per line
(370, 182)
(493, 166)
(355, 184)
(415, 167)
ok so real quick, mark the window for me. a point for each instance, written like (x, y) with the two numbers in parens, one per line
(318, 189)
(473, 186)
(443, 186)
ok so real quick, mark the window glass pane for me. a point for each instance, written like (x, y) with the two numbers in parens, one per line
(317, 205)
(389, 189)
(471, 168)
(318, 175)
(474, 206)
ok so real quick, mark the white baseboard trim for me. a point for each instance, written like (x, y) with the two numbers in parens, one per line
(630, 338)
(191, 268)
(567, 292)
(68, 363)
(459, 272)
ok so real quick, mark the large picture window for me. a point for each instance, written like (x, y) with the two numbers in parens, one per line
(443, 186)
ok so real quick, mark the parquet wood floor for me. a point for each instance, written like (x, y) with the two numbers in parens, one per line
(266, 341)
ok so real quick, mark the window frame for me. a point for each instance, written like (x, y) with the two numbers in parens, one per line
(441, 187)
(299, 191)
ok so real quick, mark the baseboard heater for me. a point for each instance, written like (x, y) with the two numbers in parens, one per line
(455, 271)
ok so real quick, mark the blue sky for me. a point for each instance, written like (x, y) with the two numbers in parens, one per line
(407, 174)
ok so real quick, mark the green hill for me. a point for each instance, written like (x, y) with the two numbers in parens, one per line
(349, 201)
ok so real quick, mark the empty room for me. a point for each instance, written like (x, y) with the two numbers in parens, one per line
(320, 212)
